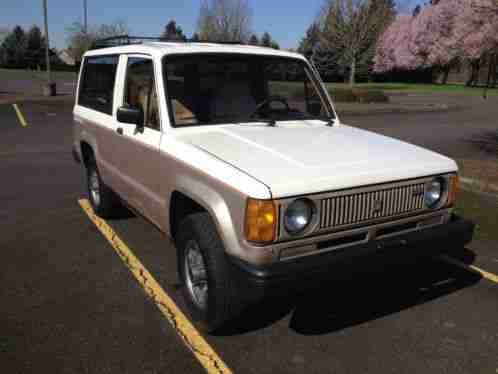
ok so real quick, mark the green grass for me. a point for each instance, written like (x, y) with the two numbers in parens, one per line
(339, 94)
(451, 88)
(481, 209)
(33, 74)
(293, 88)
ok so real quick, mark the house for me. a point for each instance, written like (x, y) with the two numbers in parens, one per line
(66, 57)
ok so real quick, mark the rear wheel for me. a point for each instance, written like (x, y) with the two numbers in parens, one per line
(208, 291)
(102, 198)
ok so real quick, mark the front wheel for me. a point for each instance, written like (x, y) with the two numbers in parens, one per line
(208, 291)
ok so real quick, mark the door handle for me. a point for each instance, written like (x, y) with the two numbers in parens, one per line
(119, 130)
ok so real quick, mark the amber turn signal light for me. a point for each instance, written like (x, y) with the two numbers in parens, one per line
(261, 220)
(453, 191)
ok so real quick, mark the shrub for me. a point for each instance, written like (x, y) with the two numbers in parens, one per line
(370, 96)
(342, 95)
(347, 95)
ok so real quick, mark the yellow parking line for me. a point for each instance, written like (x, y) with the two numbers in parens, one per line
(485, 274)
(20, 116)
(192, 338)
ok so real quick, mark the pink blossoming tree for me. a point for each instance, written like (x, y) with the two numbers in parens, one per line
(439, 35)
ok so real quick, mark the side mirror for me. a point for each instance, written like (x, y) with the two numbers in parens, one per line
(128, 114)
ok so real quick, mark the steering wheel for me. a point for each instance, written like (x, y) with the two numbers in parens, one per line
(275, 98)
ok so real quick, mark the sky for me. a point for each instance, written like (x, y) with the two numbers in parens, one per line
(285, 20)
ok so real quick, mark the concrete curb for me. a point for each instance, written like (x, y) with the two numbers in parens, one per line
(13, 99)
(395, 110)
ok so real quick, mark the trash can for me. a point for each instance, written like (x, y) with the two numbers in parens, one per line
(49, 89)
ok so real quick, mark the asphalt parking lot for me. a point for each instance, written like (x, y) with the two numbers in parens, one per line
(70, 304)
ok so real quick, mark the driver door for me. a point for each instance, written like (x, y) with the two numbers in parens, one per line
(137, 149)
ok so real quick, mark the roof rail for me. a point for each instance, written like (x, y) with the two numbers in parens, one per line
(119, 40)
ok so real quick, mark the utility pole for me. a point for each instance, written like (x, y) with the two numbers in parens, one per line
(49, 89)
(85, 13)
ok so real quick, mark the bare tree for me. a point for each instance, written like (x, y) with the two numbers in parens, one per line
(79, 40)
(353, 26)
(224, 20)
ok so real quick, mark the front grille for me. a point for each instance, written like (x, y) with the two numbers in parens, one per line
(365, 206)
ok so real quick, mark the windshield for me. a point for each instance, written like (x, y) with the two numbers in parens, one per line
(216, 89)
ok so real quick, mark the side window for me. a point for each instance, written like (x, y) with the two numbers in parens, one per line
(97, 84)
(140, 90)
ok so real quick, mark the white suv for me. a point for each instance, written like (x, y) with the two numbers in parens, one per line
(236, 153)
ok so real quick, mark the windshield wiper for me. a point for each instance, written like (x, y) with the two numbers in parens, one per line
(270, 122)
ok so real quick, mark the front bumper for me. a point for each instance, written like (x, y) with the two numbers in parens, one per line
(304, 271)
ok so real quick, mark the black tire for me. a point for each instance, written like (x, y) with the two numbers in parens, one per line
(107, 202)
(222, 301)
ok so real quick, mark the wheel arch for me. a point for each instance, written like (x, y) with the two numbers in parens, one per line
(87, 152)
(199, 197)
(180, 206)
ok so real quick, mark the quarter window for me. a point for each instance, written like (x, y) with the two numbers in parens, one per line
(97, 87)
(140, 91)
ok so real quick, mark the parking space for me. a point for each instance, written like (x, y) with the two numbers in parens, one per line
(70, 303)
(424, 316)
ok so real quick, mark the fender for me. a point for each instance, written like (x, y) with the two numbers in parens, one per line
(212, 201)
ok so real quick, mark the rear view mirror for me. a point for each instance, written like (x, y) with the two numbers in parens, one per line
(314, 108)
(128, 114)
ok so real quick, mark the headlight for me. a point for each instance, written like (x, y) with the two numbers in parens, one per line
(298, 215)
(434, 192)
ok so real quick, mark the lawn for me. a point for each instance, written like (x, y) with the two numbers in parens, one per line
(293, 88)
(450, 88)
(483, 210)
(339, 91)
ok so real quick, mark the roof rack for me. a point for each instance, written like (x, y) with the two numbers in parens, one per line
(115, 41)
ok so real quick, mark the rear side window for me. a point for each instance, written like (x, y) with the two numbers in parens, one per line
(97, 83)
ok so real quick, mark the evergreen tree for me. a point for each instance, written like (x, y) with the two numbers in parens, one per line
(14, 48)
(35, 47)
(416, 10)
(266, 40)
(253, 40)
(173, 32)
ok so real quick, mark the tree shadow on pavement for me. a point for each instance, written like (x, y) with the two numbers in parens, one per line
(352, 298)
(486, 142)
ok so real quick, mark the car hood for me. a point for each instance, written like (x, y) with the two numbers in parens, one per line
(300, 158)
